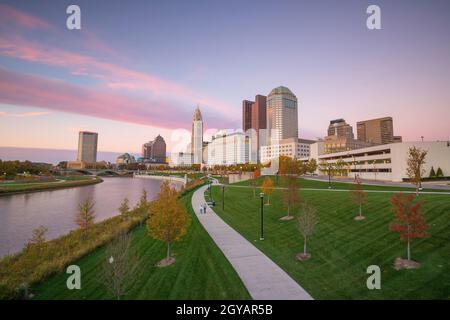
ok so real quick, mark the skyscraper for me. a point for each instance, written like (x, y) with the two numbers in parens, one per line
(254, 117)
(155, 150)
(247, 114)
(197, 137)
(378, 131)
(282, 114)
(87, 146)
(340, 128)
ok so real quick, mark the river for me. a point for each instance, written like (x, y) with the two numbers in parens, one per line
(55, 210)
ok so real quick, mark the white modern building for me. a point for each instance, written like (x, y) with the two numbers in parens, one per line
(293, 147)
(384, 162)
(228, 148)
(197, 137)
(181, 159)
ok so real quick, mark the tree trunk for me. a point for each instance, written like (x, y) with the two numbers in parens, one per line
(360, 210)
(409, 250)
(168, 250)
(289, 211)
(304, 247)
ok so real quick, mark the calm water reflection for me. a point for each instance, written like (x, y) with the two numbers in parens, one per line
(20, 214)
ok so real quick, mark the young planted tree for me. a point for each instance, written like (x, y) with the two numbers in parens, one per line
(415, 163)
(169, 220)
(267, 188)
(85, 217)
(359, 197)
(120, 268)
(124, 208)
(409, 222)
(291, 196)
(306, 224)
(254, 181)
(143, 206)
(329, 169)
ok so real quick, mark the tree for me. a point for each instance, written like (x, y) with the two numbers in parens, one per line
(120, 267)
(37, 240)
(143, 205)
(359, 197)
(311, 167)
(439, 173)
(291, 196)
(267, 188)
(415, 163)
(341, 167)
(254, 181)
(169, 219)
(328, 168)
(85, 217)
(432, 173)
(409, 221)
(124, 208)
(306, 224)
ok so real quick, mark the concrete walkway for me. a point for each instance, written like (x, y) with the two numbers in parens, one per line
(263, 279)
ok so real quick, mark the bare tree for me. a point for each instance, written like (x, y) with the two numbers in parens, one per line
(306, 223)
(415, 163)
(85, 217)
(120, 268)
(291, 196)
(37, 240)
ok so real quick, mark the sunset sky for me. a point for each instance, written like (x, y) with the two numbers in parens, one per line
(138, 68)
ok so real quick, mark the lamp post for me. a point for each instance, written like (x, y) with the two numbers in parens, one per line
(223, 197)
(261, 195)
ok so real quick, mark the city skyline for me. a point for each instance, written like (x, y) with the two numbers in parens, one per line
(47, 71)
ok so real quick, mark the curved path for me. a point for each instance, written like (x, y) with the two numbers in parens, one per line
(263, 279)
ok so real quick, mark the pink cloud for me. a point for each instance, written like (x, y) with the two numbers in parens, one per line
(25, 90)
(10, 15)
(113, 76)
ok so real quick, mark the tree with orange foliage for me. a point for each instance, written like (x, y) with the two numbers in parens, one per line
(169, 220)
(409, 222)
(359, 197)
(254, 181)
(267, 188)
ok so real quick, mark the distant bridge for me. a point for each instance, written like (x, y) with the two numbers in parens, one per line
(96, 172)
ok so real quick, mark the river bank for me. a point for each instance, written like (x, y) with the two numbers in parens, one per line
(28, 187)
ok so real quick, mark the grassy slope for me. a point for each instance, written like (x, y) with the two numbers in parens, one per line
(200, 272)
(342, 248)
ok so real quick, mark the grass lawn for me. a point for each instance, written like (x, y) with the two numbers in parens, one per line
(314, 184)
(62, 182)
(200, 272)
(343, 248)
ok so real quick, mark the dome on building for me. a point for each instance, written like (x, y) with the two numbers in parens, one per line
(281, 90)
(125, 158)
(197, 114)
